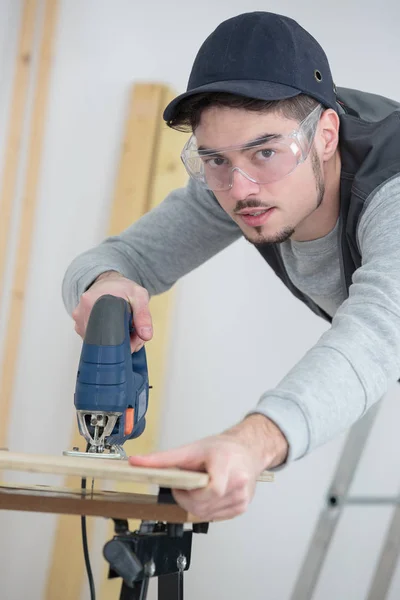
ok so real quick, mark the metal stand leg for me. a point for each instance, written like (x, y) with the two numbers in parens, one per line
(139, 592)
(170, 587)
(157, 549)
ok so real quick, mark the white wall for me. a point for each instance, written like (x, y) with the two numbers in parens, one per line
(236, 329)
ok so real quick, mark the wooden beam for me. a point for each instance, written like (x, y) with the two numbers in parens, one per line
(19, 98)
(25, 234)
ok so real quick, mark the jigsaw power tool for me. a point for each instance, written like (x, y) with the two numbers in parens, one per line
(111, 400)
(112, 385)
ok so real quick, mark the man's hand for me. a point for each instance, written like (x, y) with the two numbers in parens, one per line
(233, 459)
(115, 284)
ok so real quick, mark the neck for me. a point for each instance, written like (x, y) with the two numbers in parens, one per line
(323, 219)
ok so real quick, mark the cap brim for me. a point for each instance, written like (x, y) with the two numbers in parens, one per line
(260, 90)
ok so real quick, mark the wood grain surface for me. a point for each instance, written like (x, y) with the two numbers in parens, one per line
(106, 469)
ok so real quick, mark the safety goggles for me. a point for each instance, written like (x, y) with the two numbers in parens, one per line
(264, 160)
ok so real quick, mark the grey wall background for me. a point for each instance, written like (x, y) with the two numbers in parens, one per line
(236, 330)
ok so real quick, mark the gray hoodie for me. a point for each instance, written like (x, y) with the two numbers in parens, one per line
(353, 363)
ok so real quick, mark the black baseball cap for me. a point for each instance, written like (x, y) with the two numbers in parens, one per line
(260, 55)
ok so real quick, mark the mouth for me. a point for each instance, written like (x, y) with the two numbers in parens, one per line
(255, 218)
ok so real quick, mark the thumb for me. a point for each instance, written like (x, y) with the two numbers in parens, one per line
(184, 457)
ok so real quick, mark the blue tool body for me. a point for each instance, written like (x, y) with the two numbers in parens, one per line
(110, 378)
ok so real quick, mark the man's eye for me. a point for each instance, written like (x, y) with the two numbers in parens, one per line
(266, 153)
(216, 161)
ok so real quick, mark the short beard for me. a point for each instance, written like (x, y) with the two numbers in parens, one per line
(278, 238)
(287, 232)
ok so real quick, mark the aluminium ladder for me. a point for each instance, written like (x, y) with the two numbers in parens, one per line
(336, 500)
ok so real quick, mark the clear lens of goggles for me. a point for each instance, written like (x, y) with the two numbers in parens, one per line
(266, 162)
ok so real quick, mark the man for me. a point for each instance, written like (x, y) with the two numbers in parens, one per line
(308, 174)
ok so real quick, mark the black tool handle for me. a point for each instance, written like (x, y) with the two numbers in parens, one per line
(108, 321)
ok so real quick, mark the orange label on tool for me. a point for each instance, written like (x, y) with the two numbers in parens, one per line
(129, 420)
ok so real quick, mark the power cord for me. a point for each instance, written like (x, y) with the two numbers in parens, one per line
(85, 545)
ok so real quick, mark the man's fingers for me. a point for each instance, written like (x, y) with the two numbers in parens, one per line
(227, 512)
(225, 490)
(179, 457)
(195, 502)
(136, 343)
(141, 314)
(219, 471)
(211, 509)
(117, 285)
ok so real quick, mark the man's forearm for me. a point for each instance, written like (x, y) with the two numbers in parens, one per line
(264, 438)
(182, 232)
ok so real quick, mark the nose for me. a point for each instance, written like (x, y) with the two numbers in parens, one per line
(242, 186)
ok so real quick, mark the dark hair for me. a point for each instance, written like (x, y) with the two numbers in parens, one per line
(188, 113)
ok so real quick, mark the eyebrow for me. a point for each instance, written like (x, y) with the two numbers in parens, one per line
(266, 137)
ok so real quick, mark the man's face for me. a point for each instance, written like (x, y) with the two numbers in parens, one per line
(266, 213)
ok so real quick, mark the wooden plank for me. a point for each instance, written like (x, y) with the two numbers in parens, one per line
(100, 503)
(25, 234)
(136, 167)
(19, 97)
(169, 172)
(106, 469)
(101, 468)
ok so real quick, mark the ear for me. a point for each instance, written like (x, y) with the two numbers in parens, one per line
(328, 133)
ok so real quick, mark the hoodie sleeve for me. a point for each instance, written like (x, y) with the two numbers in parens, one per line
(357, 359)
(181, 233)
